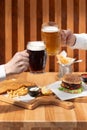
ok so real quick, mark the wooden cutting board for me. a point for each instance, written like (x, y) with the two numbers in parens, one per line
(42, 100)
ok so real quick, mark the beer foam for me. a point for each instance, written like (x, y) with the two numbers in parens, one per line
(36, 45)
(50, 29)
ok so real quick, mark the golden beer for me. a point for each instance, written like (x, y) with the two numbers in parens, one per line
(52, 38)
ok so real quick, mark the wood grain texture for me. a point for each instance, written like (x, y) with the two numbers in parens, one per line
(26, 21)
(33, 20)
(70, 24)
(47, 117)
(21, 22)
(82, 28)
(39, 101)
(8, 34)
(2, 31)
(63, 18)
(14, 26)
(86, 31)
(39, 18)
(76, 28)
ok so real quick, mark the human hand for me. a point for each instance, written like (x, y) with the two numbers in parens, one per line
(68, 38)
(19, 63)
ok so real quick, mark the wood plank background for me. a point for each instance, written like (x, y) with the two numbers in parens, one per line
(20, 22)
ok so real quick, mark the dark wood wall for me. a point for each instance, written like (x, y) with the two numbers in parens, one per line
(20, 22)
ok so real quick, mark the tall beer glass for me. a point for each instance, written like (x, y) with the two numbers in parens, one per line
(37, 56)
(50, 34)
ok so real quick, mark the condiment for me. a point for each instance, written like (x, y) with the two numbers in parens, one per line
(34, 91)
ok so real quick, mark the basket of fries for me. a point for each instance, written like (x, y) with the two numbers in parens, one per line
(65, 63)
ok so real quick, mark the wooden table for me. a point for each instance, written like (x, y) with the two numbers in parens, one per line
(48, 117)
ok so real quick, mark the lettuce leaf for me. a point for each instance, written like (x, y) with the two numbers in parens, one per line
(79, 90)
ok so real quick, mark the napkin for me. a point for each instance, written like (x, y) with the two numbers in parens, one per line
(64, 60)
(24, 98)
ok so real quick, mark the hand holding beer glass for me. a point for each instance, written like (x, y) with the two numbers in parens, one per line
(52, 37)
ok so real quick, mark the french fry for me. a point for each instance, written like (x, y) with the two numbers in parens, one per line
(19, 92)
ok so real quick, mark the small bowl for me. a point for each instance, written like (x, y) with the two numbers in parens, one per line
(34, 91)
(84, 77)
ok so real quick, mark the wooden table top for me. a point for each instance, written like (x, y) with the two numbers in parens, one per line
(48, 116)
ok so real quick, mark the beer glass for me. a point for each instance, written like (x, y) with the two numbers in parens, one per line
(50, 34)
(37, 56)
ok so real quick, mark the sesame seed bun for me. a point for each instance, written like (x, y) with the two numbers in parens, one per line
(72, 78)
(71, 83)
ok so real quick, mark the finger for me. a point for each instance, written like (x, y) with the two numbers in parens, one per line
(23, 63)
(63, 35)
(67, 32)
(24, 67)
(71, 40)
(25, 54)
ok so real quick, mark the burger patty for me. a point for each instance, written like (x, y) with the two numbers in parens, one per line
(70, 86)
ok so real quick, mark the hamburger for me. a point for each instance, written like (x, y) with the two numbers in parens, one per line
(71, 83)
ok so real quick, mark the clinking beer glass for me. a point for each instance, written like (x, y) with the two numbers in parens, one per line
(50, 34)
(37, 56)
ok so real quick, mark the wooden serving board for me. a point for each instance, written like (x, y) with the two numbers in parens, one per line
(42, 100)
